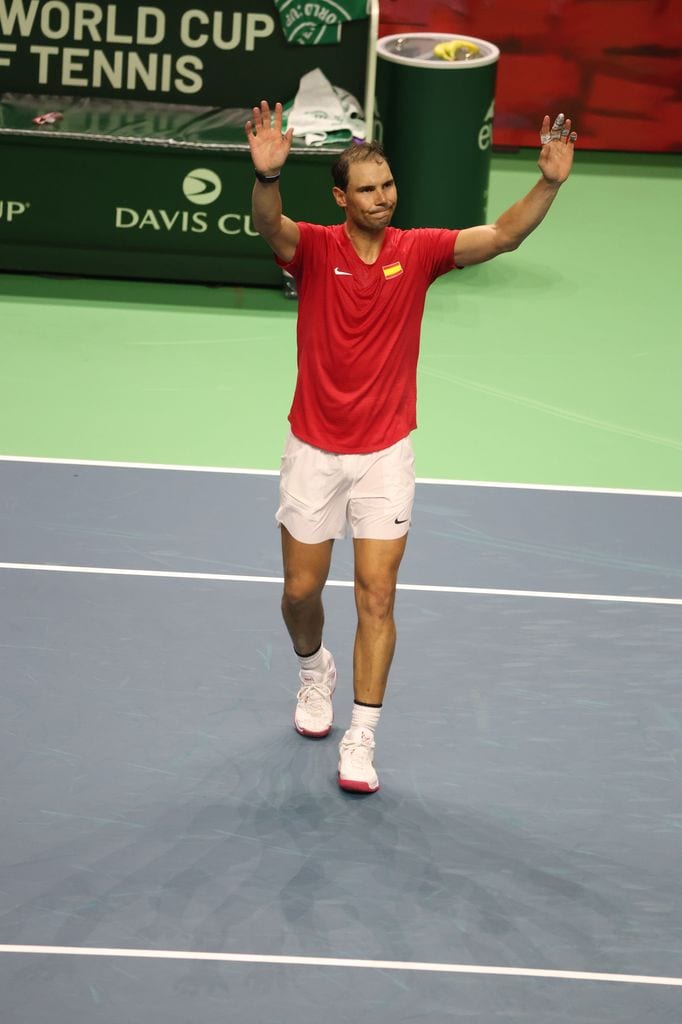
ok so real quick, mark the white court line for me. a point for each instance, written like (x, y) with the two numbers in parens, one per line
(426, 588)
(319, 961)
(440, 481)
(138, 465)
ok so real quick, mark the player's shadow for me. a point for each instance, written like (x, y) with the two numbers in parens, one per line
(264, 854)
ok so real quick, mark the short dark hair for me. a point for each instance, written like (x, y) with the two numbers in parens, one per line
(357, 151)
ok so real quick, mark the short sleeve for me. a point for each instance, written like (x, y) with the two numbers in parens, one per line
(437, 250)
(311, 238)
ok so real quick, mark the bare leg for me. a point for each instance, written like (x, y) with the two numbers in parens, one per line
(376, 575)
(306, 567)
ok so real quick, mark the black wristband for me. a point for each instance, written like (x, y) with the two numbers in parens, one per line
(267, 179)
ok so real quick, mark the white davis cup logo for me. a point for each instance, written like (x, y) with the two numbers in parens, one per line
(201, 187)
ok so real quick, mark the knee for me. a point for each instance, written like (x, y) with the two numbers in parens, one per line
(375, 599)
(300, 589)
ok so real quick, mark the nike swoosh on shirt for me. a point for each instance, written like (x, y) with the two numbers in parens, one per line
(342, 273)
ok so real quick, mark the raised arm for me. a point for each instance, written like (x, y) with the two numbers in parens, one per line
(269, 150)
(478, 244)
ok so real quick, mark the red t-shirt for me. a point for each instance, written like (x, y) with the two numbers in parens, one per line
(358, 334)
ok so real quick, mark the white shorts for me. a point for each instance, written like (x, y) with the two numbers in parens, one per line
(323, 496)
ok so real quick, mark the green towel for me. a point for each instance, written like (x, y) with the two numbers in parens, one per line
(316, 22)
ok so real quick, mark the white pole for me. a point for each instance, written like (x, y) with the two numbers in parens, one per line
(371, 76)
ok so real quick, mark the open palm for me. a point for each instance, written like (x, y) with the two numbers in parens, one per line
(269, 146)
(556, 155)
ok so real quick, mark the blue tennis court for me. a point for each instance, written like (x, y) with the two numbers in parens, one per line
(173, 850)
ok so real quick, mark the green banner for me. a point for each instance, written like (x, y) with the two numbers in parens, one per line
(170, 52)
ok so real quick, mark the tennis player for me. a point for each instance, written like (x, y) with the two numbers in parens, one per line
(348, 464)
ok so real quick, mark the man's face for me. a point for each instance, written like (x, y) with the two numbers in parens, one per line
(371, 195)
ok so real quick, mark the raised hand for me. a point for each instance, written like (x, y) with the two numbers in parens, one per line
(556, 155)
(268, 144)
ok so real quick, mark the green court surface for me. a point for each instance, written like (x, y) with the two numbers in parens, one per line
(557, 364)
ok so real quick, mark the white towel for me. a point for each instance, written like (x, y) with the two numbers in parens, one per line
(322, 112)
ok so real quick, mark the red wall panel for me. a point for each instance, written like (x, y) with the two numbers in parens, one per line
(615, 66)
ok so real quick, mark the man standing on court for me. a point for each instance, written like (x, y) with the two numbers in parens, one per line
(348, 462)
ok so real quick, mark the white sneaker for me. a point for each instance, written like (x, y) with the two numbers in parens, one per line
(356, 756)
(314, 712)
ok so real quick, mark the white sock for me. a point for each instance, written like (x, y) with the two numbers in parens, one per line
(364, 717)
(317, 662)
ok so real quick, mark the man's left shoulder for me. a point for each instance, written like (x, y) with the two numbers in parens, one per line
(419, 236)
(402, 239)
(423, 244)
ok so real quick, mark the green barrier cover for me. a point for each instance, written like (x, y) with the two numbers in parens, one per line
(131, 121)
(121, 120)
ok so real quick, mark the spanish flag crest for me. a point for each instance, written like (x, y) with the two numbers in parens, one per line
(392, 270)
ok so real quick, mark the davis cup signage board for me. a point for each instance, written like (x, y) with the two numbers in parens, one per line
(181, 215)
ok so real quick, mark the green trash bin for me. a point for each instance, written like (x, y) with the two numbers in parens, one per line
(436, 117)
